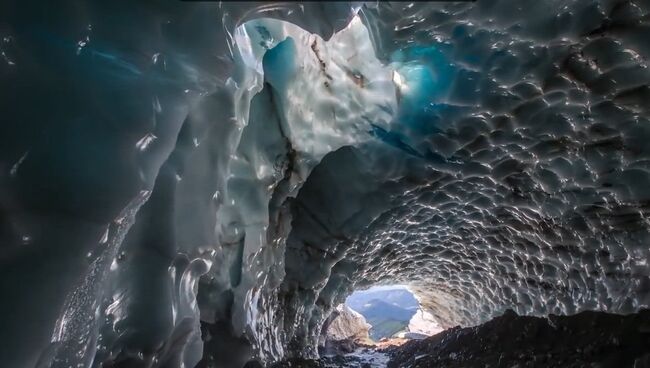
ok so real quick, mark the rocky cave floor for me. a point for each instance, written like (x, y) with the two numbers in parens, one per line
(587, 339)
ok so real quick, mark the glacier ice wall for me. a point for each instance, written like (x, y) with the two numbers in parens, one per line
(195, 183)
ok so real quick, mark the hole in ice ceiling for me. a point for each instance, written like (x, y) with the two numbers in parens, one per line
(393, 312)
(423, 76)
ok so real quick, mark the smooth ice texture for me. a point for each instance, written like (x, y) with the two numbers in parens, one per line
(188, 183)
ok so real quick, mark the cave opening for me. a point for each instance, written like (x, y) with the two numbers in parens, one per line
(394, 314)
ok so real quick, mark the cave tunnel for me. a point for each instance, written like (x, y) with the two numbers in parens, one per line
(203, 184)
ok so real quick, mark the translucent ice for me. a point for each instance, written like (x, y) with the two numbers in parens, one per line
(188, 183)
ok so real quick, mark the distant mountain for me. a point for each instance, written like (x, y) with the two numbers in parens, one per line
(377, 310)
(387, 310)
(385, 318)
(400, 297)
(387, 328)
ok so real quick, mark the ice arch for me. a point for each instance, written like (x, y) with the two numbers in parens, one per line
(317, 97)
(517, 184)
(515, 178)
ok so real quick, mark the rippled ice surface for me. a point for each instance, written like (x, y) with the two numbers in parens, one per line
(185, 182)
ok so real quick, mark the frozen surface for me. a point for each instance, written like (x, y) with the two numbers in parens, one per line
(188, 183)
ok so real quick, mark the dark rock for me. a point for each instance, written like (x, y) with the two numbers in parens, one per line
(587, 339)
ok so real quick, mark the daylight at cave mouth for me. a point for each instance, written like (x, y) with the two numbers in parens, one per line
(222, 184)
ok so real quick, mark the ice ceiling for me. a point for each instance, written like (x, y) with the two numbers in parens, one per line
(188, 183)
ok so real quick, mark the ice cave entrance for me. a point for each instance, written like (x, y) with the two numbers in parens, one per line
(393, 313)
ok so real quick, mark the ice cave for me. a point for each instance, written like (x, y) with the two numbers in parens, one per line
(204, 183)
